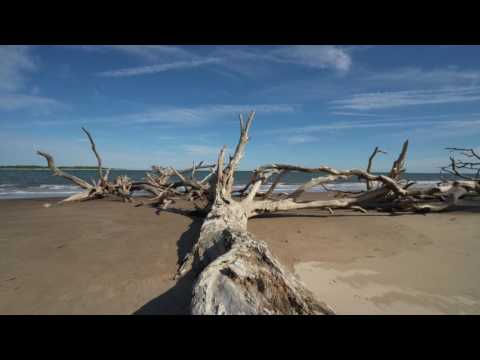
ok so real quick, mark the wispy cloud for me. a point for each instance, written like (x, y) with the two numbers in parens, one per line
(361, 114)
(19, 101)
(303, 133)
(383, 100)
(300, 139)
(450, 76)
(444, 130)
(160, 58)
(455, 126)
(238, 59)
(315, 56)
(202, 114)
(152, 69)
(146, 52)
(15, 63)
(201, 150)
(179, 116)
(244, 60)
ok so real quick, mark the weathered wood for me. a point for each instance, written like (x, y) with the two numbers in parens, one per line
(370, 164)
(57, 172)
(248, 280)
(399, 165)
(99, 159)
(236, 273)
(122, 187)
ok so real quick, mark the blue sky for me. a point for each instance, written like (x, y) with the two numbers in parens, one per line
(169, 105)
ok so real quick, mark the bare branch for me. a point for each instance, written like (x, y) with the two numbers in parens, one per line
(387, 181)
(466, 152)
(239, 152)
(57, 172)
(275, 183)
(269, 206)
(314, 182)
(99, 159)
(370, 163)
(399, 165)
(260, 177)
(456, 166)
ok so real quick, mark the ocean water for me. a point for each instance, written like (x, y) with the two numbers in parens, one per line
(29, 184)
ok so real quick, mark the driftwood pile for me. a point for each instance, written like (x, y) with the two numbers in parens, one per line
(236, 273)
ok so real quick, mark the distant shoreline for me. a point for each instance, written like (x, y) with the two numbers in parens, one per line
(62, 168)
(94, 168)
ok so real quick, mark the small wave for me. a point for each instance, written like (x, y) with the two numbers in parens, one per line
(41, 191)
(12, 191)
(58, 187)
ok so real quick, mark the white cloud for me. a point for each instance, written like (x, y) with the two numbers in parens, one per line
(15, 61)
(32, 102)
(303, 133)
(239, 59)
(426, 126)
(161, 58)
(151, 52)
(444, 130)
(455, 126)
(147, 52)
(362, 114)
(382, 100)
(176, 116)
(202, 150)
(248, 60)
(202, 114)
(312, 56)
(315, 56)
(447, 76)
(153, 69)
(301, 139)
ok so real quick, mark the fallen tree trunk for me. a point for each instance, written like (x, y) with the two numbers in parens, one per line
(248, 280)
(236, 273)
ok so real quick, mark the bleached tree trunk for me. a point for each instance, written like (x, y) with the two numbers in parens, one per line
(237, 274)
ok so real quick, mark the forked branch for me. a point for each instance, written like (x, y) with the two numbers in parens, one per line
(370, 164)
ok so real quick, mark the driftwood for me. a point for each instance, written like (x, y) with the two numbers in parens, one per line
(370, 164)
(235, 272)
(121, 187)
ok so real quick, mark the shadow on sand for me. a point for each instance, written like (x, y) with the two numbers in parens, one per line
(176, 300)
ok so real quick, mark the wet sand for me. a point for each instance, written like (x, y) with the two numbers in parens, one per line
(106, 257)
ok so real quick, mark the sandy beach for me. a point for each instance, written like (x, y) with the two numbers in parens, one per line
(107, 257)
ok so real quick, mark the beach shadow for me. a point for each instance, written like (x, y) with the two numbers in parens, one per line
(292, 215)
(188, 239)
(467, 207)
(176, 300)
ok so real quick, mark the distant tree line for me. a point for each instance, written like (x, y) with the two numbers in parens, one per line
(80, 167)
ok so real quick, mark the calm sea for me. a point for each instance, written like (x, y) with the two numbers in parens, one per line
(41, 184)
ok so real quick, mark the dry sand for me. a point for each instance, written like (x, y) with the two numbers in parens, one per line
(106, 257)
